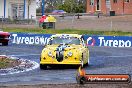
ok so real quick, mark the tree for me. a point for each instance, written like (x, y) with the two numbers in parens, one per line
(70, 6)
(73, 6)
(81, 6)
(50, 5)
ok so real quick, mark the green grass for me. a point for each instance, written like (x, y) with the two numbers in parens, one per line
(66, 31)
(5, 63)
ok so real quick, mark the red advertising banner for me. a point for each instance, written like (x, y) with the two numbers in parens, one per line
(83, 78)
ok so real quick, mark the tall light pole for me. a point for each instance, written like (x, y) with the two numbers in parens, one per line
(4, 8)
(29, 2)
(24, 9)
(43, 5)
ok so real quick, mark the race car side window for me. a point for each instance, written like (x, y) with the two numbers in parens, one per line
(83, 42)
(50, 41)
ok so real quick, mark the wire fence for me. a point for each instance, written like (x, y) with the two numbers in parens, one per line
(83, 22)
(16, 22)
(102, 23)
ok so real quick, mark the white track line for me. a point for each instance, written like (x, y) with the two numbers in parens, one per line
(24, 55)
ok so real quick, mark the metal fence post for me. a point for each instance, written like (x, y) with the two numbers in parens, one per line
(78, 16)
(73, 21)
(31, 19)
(98, 15)
(2, 21)
(111, 24)
(62, 16)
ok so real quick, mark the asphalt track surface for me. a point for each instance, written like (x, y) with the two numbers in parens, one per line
(103, 60)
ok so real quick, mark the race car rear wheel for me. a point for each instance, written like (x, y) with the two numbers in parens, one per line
(5, 43)
(88, 62)
(43, 66)
(81, 80)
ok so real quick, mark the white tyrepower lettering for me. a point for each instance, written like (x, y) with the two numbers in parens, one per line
(29, 40)
(114, 43)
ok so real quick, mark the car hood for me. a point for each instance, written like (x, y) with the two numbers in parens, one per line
(63, 47)
(4, 33)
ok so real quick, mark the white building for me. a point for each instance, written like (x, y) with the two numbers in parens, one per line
(18, 8)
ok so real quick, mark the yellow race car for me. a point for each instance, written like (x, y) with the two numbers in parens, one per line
(64, 49)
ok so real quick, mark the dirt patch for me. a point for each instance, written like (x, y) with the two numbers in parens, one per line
(6, 62)
(115, 23)
(103, 23)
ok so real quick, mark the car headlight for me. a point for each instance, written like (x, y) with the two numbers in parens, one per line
(69, 54)
(50, 53)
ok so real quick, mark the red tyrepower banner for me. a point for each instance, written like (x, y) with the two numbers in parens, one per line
(83, 78)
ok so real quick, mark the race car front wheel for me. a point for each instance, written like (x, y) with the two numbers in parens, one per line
(43, 66)
(87, 64)
(4, 43)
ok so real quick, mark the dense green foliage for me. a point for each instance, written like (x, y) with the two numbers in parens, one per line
(70, 6)
(6, 62)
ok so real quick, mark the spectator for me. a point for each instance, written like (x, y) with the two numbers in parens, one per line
(41, 20)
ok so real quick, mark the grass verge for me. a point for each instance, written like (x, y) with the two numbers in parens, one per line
(67, 31)
(6, 62)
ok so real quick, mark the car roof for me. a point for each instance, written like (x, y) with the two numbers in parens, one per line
(67, 35)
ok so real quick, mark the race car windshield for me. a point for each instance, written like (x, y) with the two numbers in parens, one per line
(69, 40)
